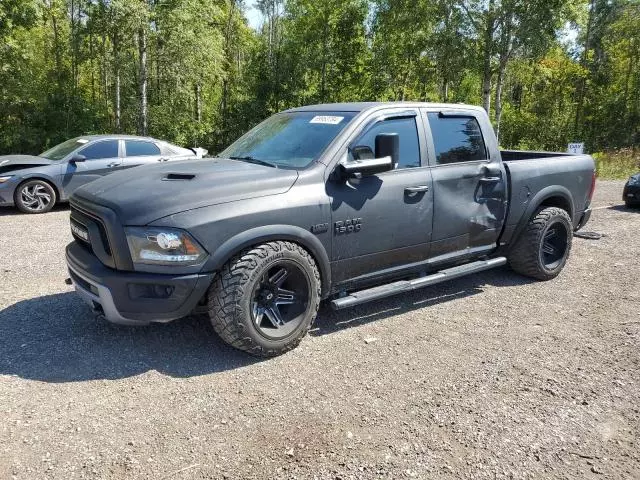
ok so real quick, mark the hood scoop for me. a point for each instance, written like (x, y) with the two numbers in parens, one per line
(178, 176)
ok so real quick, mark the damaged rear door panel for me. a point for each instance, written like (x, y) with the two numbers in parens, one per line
(469, 181)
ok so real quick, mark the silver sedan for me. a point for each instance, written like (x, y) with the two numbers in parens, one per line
(34, 184)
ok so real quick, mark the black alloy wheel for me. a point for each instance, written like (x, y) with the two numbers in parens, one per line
(554, 245)
(265, 299)
(280, 300)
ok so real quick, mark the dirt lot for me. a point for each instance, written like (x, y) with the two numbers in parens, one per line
(491, 376)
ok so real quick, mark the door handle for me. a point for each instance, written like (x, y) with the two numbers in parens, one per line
(113, 164)
(490, 179)
(417, 189)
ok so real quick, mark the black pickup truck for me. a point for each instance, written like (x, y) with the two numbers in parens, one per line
(344, 202)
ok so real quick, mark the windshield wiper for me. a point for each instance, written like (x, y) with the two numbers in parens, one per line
(255, 160)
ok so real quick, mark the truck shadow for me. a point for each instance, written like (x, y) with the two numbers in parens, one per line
(330, 321)
(54, 338)
(624, 208)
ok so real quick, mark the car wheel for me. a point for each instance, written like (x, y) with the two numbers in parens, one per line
(265, 299)
(35, 196)
(543, 248)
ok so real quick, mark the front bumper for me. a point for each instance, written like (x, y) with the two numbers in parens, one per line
(631, 194)
(7, 191)
(132, 298)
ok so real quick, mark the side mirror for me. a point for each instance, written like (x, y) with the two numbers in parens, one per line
(78, 158)
(388, 145)
(367, 163)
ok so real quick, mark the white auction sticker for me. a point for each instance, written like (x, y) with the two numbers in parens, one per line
(327, 119)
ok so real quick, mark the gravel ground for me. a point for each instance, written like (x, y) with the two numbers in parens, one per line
(490, 376)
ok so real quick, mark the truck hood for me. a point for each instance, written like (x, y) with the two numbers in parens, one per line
(11, 163)
(144, 194)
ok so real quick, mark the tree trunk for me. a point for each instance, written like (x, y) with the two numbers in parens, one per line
(486, 64)
(445, 90)
(499, 85)
(198, 103)
(224, 102)
(103, 71)
(91, 64)
(325, 48)
(142, 45)
(581, 89)
(116, 74)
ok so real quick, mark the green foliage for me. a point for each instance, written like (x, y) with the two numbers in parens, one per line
(619, 164)
(69, 67)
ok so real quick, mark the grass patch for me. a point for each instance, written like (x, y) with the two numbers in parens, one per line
(618, 164)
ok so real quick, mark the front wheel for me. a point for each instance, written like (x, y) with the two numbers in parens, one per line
(543, 248)
(265, 299)
(35, 196)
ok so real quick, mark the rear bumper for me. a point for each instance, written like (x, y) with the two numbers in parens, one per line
(584, 219)
(132, 298)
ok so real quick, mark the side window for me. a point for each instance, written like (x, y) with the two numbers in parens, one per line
(457, 139)
(98, 150)
(409, 144)
(140, 148)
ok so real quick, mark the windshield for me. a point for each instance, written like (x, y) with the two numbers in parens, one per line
(289, 140)
(65, 148)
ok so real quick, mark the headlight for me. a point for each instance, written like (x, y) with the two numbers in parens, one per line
(6, 178)
(163, 246)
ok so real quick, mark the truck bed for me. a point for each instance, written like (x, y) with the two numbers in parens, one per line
(532, 173)
(515, 155)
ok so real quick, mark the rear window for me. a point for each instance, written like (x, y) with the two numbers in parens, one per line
(457, 139)
(140, 148)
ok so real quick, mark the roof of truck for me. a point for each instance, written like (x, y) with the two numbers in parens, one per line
(361, 106)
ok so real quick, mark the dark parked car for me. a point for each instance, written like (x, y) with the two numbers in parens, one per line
(345, 202)
(35, 183)
(631, 192)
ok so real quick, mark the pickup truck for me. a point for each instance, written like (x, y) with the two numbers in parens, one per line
(341, 202)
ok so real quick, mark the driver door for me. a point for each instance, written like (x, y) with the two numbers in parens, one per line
(102, 158)
(383, 221)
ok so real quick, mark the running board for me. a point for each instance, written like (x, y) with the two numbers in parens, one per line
(383, 291)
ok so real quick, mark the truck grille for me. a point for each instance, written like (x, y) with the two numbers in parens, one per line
(99, 245)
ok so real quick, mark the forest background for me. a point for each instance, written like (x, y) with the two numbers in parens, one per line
(198, 73)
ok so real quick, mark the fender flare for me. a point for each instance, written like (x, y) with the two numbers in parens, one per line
(269, 233)
(539, 198)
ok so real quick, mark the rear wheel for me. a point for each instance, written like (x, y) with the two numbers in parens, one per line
(35, 196)
(543, 248)
(266, 298)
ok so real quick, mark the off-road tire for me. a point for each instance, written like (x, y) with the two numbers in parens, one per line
(43, 188)
(230, 297)
(526, 256)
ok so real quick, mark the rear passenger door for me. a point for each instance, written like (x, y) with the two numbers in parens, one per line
(469, 184)
(140, 152)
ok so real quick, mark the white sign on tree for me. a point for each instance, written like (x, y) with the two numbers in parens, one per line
(576, 148)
